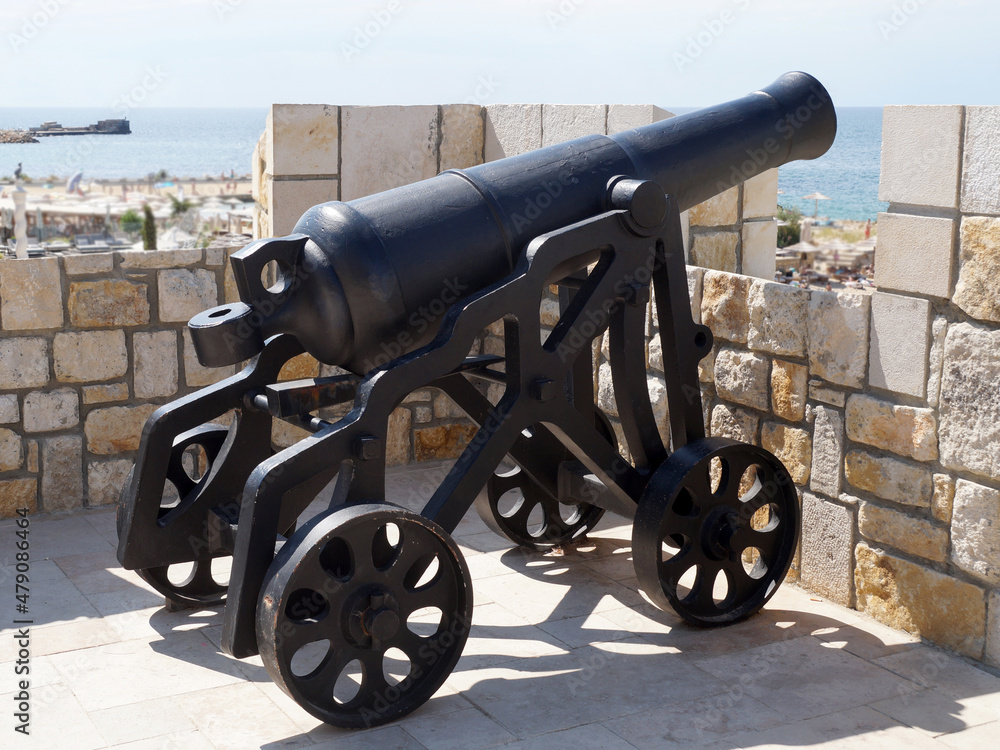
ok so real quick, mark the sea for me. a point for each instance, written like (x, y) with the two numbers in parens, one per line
(208, 142)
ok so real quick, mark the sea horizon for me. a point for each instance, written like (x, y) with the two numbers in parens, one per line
(198, 142)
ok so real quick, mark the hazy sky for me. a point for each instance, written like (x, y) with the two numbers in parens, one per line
(250, 53)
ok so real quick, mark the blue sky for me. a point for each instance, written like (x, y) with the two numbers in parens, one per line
(250, 53)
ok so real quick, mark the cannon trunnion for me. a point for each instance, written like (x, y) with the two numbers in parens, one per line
(326, 602)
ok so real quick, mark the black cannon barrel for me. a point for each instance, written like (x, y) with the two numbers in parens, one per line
(362, 282)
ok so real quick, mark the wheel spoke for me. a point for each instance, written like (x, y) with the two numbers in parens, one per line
(318, 688)
(768, 542)
(291, 639)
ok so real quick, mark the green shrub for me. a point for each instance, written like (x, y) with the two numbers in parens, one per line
(148, 228)
(130, 222)
(792, 232)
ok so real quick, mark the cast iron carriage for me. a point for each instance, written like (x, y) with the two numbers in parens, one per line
(598, 216)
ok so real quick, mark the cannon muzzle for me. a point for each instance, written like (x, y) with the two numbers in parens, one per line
(363, 282)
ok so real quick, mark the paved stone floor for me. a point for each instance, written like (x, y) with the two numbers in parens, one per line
(564, 652)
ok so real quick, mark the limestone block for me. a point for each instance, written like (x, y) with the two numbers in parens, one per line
(721, 210)
(742, 377)
(724, 305)
(939, 332)
(943, 497)
(828, 451)
(549, 311)
(90, 356)
(423, 394)
(734, 423)
(385, 147)
(30, 294)
(62, 473)
(442, 441)
(890, 478)
(512, 129)
(45, 411)
(24, 362)
(292, 198)
(16, 494)
(155, 357)
(11, 450)
(627, 116)
(993, 631)
(423, 414)
(788, 390)
(657, 389)
(606, 391)
(900, 342)
(33, 456)
(904, 430)
(92, 263)
(776, 315)
(970, 400)
(284, 434)
(827, 540)
(184, 293)
(215, 256)
(102, 394)
(911, 597)
(299, 368)
(760, 196)
(695, 278)
(564, 122)
(397, 448)
(194, 373)
(826, 395)
(760, 243)
(105, 480)
(302, 139)
(915, 536)
(975, 531)
(716, 250)
(100, 304)
(9, 411)
(155, 259)
(980, 193)
(792, 446)
(116, 429)
(838, 336)
(915, 254)
(461, 136)
(977, 291)
(920, 155)
(706, 367)
(445, 408)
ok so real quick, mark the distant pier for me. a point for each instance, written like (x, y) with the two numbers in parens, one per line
(103, 127)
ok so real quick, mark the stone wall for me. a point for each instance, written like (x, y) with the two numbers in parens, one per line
(89, 346)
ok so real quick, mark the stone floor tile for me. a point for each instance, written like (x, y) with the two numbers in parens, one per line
(99, 572)
(234, 717)
(60, 537)
(190, 740)
(384, 738)
(468, 729)
(932, 668)
(52, 601)
(159, 717)
(133, 671)
(933, 713)
(71, 636)
(982, 737)
(104, 523)
(54, 710)
(499, 635)
(554, 592)
(699, 722)
(41, 570)
(806, 677)
(583, 630)
(592, 683)
(484, 566)
(156, 621)
(857, 727)
(486, 541)
(127, 599)
(586, 737)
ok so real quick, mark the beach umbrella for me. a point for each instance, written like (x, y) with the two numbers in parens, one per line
(817, 197)
(74, 182)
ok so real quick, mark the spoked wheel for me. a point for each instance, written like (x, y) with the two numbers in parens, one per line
(715, 531)
(516, 507)
(364, 613)
(186, 584)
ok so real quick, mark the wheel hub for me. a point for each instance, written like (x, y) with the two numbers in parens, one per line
(718, 532)
(381, 619)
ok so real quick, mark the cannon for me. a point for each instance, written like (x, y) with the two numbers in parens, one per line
(394, 289)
